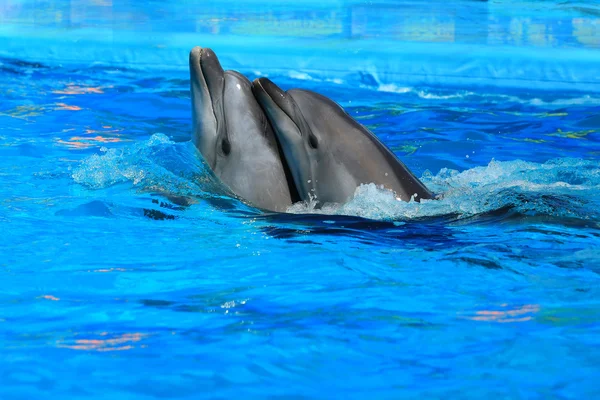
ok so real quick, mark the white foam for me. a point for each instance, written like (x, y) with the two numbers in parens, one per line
(141, 165)
(476, 191)
(432, 96)
(557, 187)
(391, 88)
(300, 76)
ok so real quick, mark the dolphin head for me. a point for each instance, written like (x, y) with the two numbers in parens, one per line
(329, 153)
(310, 128)
(233, 134)
(300, 145)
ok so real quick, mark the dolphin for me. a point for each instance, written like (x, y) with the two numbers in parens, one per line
(234, 136)
(328, 152)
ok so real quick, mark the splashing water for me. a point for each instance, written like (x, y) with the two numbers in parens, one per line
(557, 188)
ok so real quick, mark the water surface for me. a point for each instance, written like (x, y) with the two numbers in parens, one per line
(112, 290)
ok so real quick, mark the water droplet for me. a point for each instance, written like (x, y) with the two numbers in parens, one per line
(238, 86)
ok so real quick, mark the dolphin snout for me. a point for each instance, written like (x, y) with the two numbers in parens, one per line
(206, 84)
(204, 63)
(264, 86)
(195, 57)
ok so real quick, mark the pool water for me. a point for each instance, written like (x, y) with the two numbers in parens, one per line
(113, 289)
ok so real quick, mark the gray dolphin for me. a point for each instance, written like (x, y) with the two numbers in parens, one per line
(234, 136)
(328, 152)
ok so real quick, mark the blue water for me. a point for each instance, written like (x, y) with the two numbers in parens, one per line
(111, 289)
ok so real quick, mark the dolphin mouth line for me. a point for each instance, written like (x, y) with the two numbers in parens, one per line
(211, 97)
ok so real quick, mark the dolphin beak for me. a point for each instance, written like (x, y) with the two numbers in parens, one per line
(207, 82)
(213, 72)
(272, 97)
(272, 90)
(280, 108)
(198, 84)
(206, 73)
(195, 56)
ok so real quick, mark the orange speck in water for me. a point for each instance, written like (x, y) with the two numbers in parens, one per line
(506, 316)
(63, 106)
(96, 139)
(90, 131)
(118, 343)
(75, 145)
(84, 142)
(74, 89)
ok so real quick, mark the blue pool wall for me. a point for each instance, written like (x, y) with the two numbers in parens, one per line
(533, 45)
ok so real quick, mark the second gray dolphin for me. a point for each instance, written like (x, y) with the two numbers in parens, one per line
(234, 136)
(328, 152)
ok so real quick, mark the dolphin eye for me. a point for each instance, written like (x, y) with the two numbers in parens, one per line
(226, 146)
(313, 142)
